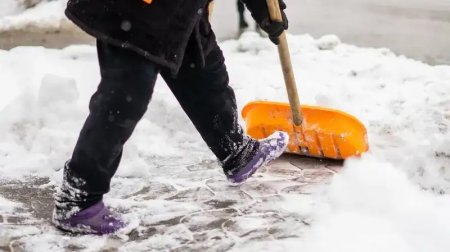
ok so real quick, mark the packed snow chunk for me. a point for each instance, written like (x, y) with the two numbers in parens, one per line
(56, 89)
(328, 42)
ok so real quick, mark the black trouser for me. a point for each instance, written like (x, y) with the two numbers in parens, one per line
(127, 81)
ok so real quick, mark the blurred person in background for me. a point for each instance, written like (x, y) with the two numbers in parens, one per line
(243, 25)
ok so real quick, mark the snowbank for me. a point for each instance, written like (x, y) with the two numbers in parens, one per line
(376, 204)
(47, 15)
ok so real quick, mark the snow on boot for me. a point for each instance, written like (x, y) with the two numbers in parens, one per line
(270, 149)
(96, 219)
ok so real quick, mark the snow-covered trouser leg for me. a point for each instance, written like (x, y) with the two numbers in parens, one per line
(210, 103)
(126, 87)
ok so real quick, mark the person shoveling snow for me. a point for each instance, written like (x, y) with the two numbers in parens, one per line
(136, 41)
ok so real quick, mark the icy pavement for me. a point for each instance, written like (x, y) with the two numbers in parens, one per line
(208, 214)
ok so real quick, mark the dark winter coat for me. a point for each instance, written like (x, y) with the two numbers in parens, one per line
(159, 31)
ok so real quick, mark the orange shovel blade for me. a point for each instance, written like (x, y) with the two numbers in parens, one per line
(325, 133)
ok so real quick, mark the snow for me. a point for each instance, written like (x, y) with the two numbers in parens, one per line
(7, 206)
(9, 7)
(44, 15)
(393, 198)
(378, 209)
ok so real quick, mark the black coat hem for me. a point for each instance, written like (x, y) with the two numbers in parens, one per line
(101, 36)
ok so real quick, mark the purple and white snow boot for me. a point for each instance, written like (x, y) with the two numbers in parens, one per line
(96, 219)
(270, 149)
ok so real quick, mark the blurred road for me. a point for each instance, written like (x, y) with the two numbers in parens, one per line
(416, 28)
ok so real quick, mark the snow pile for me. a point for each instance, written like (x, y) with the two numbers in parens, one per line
(44, 15)
(371, 206)
(376, 204)
(43, 102)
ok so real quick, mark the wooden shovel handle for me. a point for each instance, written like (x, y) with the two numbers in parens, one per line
(285, 58)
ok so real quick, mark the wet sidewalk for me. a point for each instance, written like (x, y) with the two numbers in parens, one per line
(208, 215)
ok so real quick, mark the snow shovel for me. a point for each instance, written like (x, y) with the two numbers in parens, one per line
(314, 131)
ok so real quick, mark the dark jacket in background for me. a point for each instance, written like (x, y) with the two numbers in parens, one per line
(159, 31)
